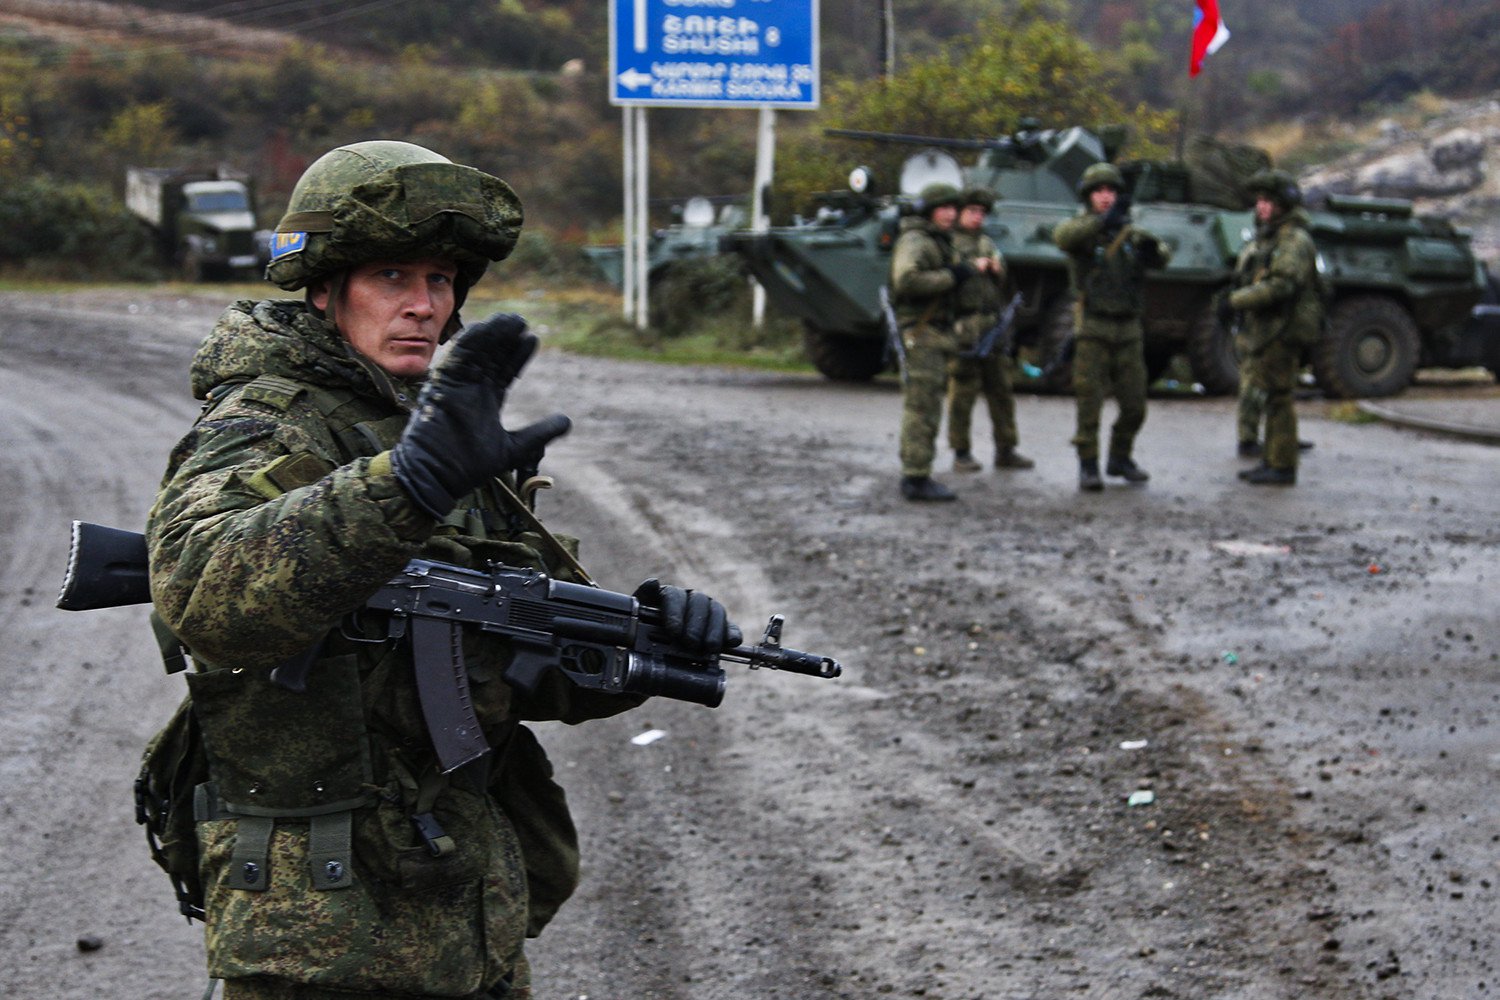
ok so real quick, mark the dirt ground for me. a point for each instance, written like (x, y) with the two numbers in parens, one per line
(1305, 681)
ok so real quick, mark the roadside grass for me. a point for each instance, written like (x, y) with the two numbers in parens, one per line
(700, 316)
(1348, 412)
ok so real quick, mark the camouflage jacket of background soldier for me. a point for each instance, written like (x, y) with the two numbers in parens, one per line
(979, 297)
(922, 276)
(278, 514)
(1276, 285)
(1108, 268)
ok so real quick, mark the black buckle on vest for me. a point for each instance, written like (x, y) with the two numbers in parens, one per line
(433, 835)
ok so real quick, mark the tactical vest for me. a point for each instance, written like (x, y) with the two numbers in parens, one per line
(1109, 279)
(213, 760)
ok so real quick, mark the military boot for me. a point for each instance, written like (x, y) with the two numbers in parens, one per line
(925, 488)
(1269, 475)
(1126, 469)
(964, 461)
(1250, 449)
(1247, 473)
(1088, 475)
(1009, 458)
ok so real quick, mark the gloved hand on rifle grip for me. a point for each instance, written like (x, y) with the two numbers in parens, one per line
(695, 621)
(454, 441)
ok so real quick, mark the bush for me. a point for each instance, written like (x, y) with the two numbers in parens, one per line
(71, 230)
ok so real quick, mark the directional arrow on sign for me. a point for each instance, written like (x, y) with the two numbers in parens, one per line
(633, 78)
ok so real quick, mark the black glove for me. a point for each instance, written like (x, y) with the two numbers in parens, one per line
(961, 271)
(696, 622)
(453, 442)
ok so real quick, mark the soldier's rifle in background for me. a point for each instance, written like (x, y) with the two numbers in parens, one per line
(1001, 334)
(895, 347)
(598, 639)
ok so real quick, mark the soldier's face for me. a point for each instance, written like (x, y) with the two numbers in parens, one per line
(393, 312)
(1264, 208)
(971, 217)
(943, 216)
(1102, 199)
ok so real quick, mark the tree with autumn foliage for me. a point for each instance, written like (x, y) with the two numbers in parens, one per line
(1026, 61)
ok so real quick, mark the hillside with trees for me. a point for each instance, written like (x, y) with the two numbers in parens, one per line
(518, 87)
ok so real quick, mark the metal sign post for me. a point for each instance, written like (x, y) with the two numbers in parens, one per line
(704, 54)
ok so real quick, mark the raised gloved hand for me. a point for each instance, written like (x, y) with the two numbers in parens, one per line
(454, 442)
(696, 622)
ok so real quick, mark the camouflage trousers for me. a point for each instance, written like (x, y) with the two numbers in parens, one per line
(929, 356)
(1103, 368)
(267, 988)
(1273, 377)
(1252, 402)
(991, 376)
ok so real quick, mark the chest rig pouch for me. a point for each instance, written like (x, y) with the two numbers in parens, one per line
(1111, 283)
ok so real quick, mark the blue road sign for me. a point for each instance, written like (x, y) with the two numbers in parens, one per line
(714, 53)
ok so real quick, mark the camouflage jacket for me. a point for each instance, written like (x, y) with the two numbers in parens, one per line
(922, 278)
(978, 298)
(279, 514)
(1108, 269)
(1276, 285)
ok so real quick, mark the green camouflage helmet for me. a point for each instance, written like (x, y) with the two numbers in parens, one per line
(938, 194)
(1278, 185)
(1098, 175)
(388, 200)
(981, 196)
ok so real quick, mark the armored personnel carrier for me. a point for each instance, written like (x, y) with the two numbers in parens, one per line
(700, 225)
(1402, 283)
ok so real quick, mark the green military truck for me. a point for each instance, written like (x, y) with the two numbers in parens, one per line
(1404, 285)
(203, 221)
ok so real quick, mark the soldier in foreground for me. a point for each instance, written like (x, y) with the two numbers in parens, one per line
(338, 858)
(978, 300)
(1107, 262)
(925, 270)
(1277, 295)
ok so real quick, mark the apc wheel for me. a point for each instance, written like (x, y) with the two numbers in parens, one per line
(1370, 349)
(1211, 356)
(843, 357)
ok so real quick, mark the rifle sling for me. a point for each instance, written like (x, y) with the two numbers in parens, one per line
(529, 518)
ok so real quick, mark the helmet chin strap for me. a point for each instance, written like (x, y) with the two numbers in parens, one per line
(335, 284)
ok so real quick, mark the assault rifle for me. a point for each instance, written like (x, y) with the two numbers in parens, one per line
(998, 334)
(895, 347)
(598, 639)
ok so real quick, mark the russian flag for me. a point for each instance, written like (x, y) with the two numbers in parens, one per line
(1209, 33)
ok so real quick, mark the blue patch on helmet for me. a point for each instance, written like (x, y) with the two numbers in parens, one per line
(287, 243)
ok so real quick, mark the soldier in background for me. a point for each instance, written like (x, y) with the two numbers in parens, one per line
(1277, 296)
(1107, 261)
(925, 270)
(977, 306)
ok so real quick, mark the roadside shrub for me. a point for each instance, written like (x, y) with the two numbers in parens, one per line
(687, 292)
(71, 230)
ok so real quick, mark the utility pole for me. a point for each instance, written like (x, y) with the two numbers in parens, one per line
(887, 39)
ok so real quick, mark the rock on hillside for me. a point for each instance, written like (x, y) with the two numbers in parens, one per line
(1450, 167)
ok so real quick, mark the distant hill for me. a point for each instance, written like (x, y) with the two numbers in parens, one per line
(89, 86)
